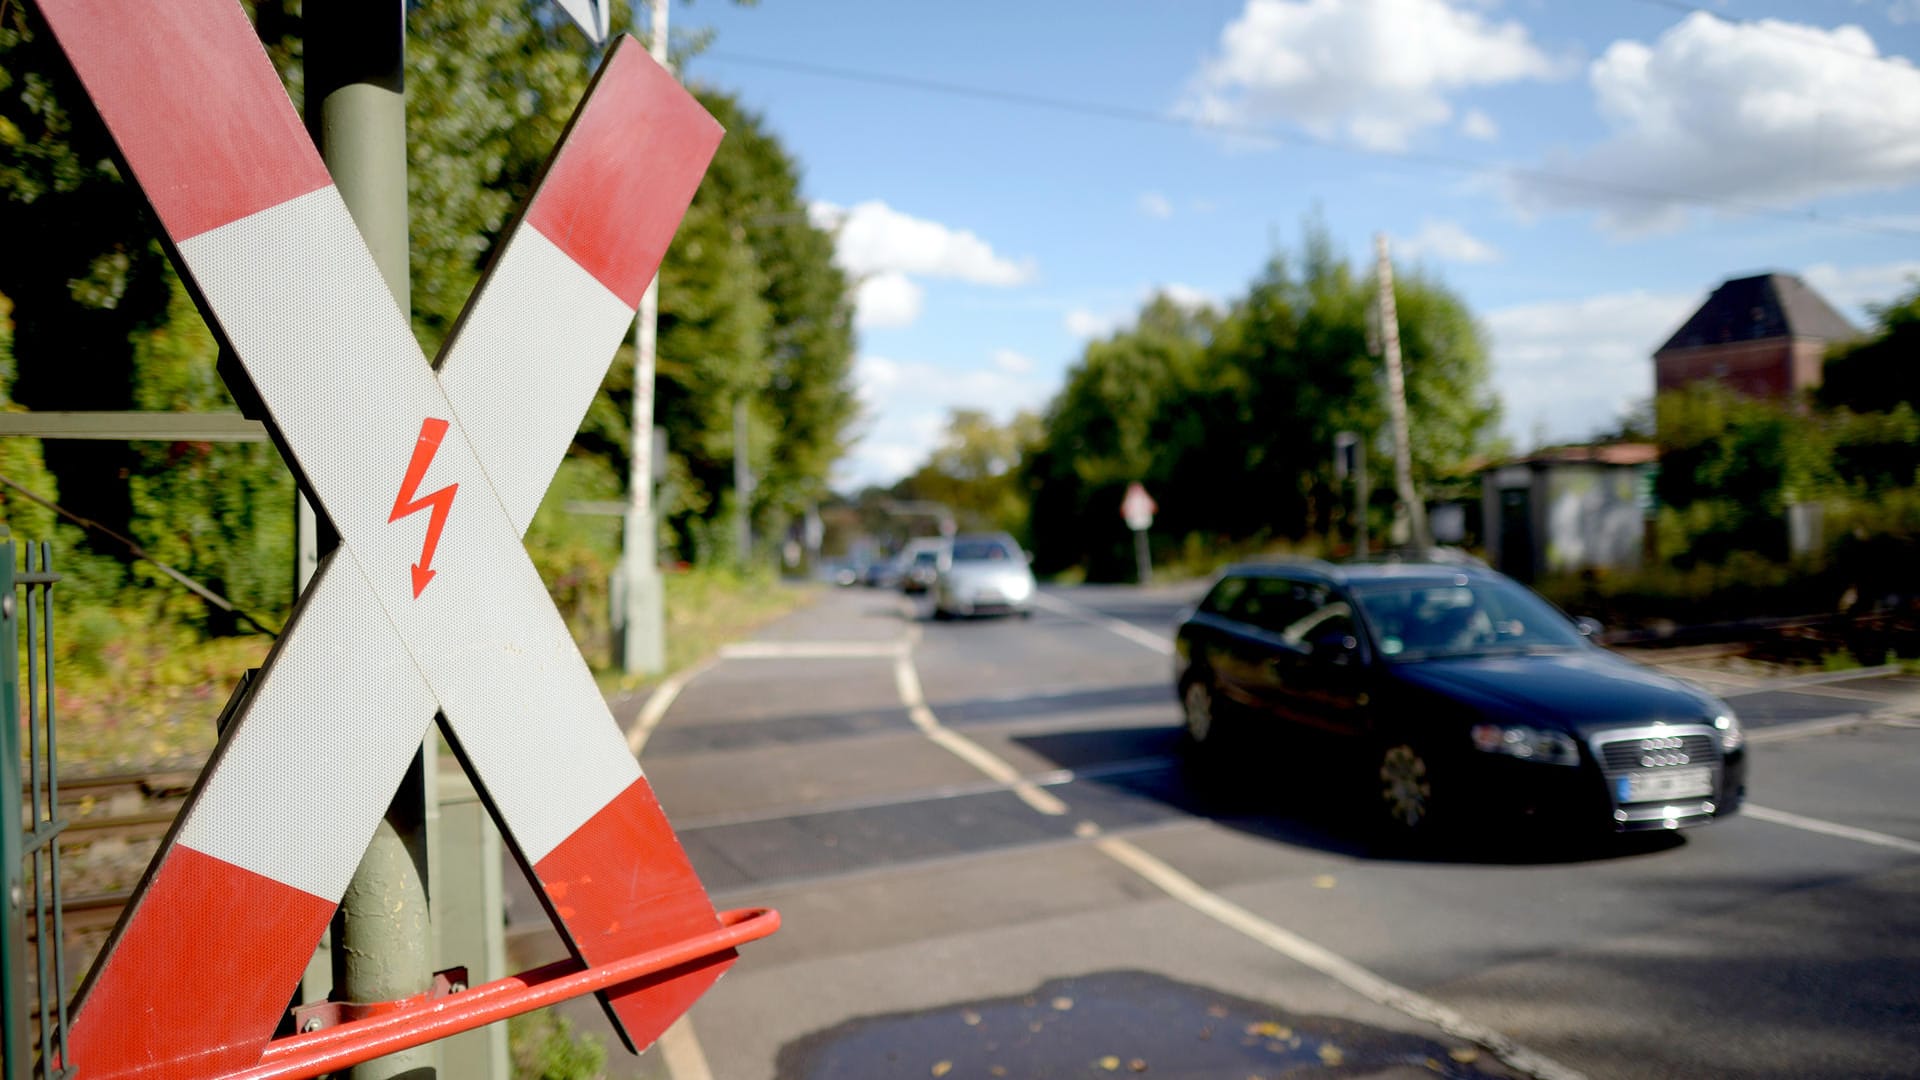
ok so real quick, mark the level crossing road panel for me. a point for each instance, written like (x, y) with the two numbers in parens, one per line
(430, 604)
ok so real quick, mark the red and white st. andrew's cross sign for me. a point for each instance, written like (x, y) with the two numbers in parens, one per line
(430, 603)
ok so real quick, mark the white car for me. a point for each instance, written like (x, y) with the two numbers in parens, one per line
(983, 574)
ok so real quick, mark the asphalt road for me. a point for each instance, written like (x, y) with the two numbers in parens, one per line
(991, 859)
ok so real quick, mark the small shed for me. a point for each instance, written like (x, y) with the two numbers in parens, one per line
(1568, 509)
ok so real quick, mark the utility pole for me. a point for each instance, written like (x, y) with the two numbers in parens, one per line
(742, 483)
(1410, 505)
(643, 622)
(356, 112)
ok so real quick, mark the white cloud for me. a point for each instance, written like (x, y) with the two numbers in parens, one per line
(1376, 71)
(1155, 205)
(1567, 369)
(1083, 323)
(1011, 362)
(906, 405)
(1475, 124)
(887, 299)
(1444, 241)
(872, 238)
(1188, 297)
(1765, 111)
(1857, 287)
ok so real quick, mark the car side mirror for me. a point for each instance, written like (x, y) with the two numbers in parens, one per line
(1589, 628)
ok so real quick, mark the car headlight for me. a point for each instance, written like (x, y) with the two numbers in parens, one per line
(1731, 737)
(1526, 743)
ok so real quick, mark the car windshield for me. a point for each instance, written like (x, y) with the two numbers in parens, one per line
(1424, 620)
(981, 551)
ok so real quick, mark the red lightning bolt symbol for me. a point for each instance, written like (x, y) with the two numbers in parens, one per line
(431, 432)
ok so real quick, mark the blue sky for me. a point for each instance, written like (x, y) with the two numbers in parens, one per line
(993, 233)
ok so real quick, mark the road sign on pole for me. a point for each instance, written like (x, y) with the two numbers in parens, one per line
(430, 603)
(1138, 508)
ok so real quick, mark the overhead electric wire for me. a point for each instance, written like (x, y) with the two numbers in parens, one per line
(139, 552)
(1449, 162)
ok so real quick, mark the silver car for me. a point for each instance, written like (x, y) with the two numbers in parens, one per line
(981, 574)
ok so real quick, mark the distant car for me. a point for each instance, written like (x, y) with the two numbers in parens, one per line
(883, 574)
(1452, 692)
(982, 575)
(920, 564)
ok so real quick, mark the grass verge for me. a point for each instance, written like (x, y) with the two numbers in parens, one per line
(133, 693)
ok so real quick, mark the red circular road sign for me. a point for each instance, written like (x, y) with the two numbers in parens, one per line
(1137, 507)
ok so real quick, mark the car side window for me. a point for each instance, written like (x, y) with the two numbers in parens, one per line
(1221, 600)
(1331, 618)
(1273, 604)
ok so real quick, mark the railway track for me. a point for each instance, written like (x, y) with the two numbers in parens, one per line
(111, 823)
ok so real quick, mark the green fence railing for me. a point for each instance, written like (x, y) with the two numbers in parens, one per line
(32, 958)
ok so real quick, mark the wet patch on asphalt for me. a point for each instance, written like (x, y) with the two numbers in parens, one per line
(1122, 1023)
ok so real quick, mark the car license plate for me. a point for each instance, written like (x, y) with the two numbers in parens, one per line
(1654, 784)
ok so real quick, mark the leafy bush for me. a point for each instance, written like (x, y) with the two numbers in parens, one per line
(544, 1046)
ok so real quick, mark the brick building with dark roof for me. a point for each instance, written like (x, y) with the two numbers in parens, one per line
(1763, 336)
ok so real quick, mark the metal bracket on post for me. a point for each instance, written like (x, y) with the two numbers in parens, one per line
(322, 1015)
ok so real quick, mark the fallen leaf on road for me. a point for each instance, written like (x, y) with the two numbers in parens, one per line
(1465, 1055)
(1137, 1065)
(942, 1068)
(1109, 1063)
(1324, 881)
(1062, 1004)
(1330, 1055)
(1267, 1029)
(972, 1018)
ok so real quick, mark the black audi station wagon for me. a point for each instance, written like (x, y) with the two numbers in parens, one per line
(1458, 693)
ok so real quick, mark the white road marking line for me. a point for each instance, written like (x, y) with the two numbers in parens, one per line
(1338, 968)
(680, 1052)
(1831, 828)
(1157, 642)
(907, 681)
(658, 703)
(1801, 729)
(812, 650)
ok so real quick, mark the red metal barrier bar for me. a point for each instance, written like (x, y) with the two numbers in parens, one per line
(309, 1055)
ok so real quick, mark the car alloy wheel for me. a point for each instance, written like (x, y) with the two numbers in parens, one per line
(1198, 700)
(1406, 792)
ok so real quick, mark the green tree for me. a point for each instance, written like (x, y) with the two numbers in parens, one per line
(1729, 467)
(769, 317)
(976, 471)
(1107, 428)
(20, 459)
(95, 276)
(1879, 372)
(1229, 419)
(222, 513)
